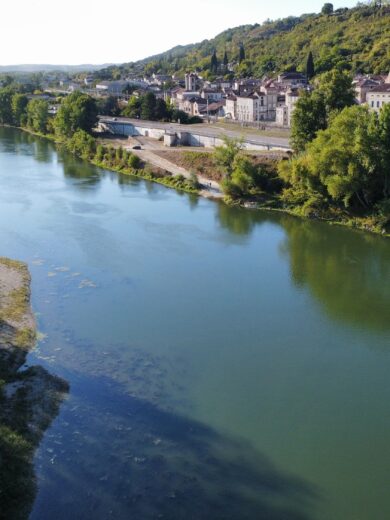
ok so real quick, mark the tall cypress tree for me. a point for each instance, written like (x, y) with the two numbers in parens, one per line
(225, 60)
(241, 54)
(214, 62)
(310, 70)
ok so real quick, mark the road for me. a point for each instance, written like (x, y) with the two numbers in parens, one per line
(206, 130)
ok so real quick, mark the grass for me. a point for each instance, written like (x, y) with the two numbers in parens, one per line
(247, 130)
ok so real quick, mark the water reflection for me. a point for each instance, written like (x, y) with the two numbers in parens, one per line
(347, 272)
(76, 169)
(151, 463)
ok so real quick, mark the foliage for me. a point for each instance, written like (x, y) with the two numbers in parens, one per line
(82, 144)
(5, 106)
(308, 118)
(225, 155)
(19, 104)
(314, 110)
(345, 164)
(310, 70)
(356, 39)
(37, 115)
(336, 89)
(77, 112)
(108, 106)
(327, 9)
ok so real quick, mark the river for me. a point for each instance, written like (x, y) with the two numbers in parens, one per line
(223, 363)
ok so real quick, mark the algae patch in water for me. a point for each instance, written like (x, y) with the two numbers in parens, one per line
(29, 399)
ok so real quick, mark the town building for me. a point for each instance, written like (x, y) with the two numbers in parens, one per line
(231, 107)
(257, 106)
(378, 97)
(293, 79)
(191, 80)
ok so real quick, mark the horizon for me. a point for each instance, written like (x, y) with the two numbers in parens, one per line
(120, 49)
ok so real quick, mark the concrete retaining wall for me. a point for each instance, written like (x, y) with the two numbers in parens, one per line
(190, 138)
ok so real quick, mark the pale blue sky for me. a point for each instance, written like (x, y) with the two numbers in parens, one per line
(100, 31)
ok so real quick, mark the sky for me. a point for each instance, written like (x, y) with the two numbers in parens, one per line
(100, 31)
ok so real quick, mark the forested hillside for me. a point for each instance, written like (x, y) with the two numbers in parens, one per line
(356, 39)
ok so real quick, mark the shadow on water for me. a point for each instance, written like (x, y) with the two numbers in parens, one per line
(150, 463)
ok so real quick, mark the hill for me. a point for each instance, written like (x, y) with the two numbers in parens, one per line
(33, 68)
(357, 39)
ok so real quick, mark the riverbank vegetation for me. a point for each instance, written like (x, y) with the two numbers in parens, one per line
(339, 170)
(72, 128)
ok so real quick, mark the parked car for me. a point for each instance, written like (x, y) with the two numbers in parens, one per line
(137, 147)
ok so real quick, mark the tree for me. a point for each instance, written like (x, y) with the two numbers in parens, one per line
(133, 108)
(337, 89)
(82, 144)
(225, 155)
(214, 63)
(327, 9)
(37, 115)
(383, 132)
(308, 118)
(148, 106)
(345, 164)
(241, 53)
(19, 104)
(310, 70)
(6, 106)
(77, 112)
(161, 110)
(108, 106)
(225, 61)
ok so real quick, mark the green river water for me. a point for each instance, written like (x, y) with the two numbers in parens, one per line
(223, 363)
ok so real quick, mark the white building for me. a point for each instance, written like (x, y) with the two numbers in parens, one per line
(378, 97)
(231, 107)
(257, 106)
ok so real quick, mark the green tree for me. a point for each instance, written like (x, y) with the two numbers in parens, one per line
(241, 53)
(214, 62)
(77, 112)
(225, 61)
(6, 106)
(148, 106)
(310, 70)
(133, 108)
(345, 164)
(82, 144)
(327, 9)
(308, 118)
(38, 115)
(225, 155)
(337, 89)
(108, 106)
(161, 110)
(19, 104)
(383, 132)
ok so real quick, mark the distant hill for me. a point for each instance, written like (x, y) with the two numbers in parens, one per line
(53, 68)
(357, 39)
